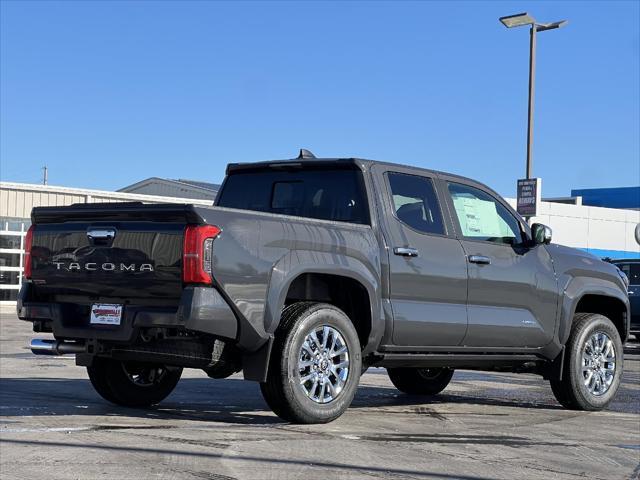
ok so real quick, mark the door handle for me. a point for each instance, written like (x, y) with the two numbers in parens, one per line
(479, 259)
(406, 251)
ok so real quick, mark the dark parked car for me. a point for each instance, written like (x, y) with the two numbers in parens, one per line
(631, 268)
(307, 271)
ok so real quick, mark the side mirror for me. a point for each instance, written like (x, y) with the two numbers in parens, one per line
(541, 234)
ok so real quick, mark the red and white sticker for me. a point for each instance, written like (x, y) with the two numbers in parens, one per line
(106, 314)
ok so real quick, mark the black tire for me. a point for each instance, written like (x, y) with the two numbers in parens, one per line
(420, 381)
(98, 379)
(132, 384)
(283, 390)
(572, 392)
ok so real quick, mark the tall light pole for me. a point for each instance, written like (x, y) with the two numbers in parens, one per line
(520, 20)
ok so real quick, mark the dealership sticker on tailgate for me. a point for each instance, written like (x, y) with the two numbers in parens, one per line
(106, 314)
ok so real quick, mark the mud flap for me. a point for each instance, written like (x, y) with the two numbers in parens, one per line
(561, 370)
(255, 365)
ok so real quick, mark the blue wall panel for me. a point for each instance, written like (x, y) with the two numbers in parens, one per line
(622, 197)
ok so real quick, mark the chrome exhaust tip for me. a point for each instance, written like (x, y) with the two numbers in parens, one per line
(45, 346)
(40, 346)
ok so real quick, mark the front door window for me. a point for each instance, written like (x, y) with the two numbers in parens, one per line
(482, 217)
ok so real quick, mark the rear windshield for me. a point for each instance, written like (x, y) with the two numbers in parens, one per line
(326, 194)
(632, 270)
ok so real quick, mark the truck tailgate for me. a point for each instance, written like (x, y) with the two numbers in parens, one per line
(102, 251)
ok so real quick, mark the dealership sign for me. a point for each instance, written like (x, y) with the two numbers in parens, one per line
(529, 191)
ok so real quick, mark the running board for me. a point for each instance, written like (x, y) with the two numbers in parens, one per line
(454, 360)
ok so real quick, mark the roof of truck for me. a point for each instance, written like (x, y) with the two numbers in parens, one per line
(320, 162)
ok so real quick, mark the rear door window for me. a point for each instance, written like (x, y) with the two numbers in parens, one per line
(415, 202)
(336, 194)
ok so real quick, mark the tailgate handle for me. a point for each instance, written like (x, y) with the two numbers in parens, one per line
(101, 235)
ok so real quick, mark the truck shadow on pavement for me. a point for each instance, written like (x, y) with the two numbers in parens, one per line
(230, 400)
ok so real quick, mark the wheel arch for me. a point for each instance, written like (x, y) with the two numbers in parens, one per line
(330, 282)
(294, 265)
(612, 308)
(589, 296)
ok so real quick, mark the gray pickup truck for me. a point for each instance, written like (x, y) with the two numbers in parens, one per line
(307, 271)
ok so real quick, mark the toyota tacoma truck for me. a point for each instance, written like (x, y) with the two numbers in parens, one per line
(307, 271)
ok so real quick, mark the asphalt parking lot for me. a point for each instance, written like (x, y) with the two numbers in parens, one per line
(485, 426)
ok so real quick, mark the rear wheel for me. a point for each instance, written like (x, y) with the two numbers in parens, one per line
(132, 384)
(593, 364)
(420, 381)
(315, 364)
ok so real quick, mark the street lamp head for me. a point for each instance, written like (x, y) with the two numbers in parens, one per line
(541, 27)
(521, 19)
(517, 20)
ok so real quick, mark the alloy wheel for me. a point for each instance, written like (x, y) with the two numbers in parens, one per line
(598, 363)
(144, 375)
(323, 364)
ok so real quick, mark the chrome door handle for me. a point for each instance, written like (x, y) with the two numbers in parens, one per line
(479, 259)
(406, 251)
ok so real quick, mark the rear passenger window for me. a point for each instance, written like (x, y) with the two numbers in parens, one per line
(415, 202)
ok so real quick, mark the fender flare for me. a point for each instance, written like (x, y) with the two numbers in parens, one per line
(298, 262)
(575, 290)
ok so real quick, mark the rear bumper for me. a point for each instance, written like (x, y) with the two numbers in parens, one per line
(200, 309)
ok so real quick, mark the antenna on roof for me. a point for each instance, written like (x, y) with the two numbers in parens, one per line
(304, 153)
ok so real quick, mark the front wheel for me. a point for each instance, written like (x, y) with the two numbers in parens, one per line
(315, 364)
(132, 384)
(592, 365)
(420, 381)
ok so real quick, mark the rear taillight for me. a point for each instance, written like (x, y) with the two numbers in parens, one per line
(28, 241)
(197, 253)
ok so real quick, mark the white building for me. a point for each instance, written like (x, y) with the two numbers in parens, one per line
(605, 232)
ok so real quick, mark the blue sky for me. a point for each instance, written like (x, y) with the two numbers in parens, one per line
(107, 94)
